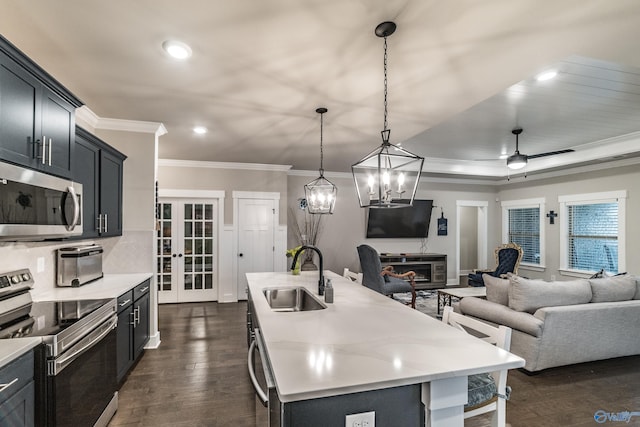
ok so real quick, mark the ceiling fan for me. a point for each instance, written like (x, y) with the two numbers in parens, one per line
(518, 161)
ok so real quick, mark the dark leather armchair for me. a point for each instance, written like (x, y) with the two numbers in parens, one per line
(384, 281)
(508, 258)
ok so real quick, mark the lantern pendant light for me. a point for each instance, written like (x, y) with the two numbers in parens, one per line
(321, 193)
(388, 176)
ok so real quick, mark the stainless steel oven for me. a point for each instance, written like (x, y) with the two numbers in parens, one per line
(37, 206)
(76, 378)
(268, 405)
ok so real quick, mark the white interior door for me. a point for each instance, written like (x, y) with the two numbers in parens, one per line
(256, 239)
(187, 250)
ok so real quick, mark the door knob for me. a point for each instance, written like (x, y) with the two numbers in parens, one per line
(240, 254)
(174, 255)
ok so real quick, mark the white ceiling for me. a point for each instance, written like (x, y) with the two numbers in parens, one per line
(460, 76)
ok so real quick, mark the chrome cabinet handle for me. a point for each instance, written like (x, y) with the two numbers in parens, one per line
(50, 142)
(44, 149)
(106, 223)
(123, 303)
(3, 387)
(99, 228)
(133, 318)
(144, 289)
(137, 315)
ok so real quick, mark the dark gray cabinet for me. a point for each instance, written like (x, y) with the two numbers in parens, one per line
(17, 407)
(37, 115)
(98, 167)
(133, 327)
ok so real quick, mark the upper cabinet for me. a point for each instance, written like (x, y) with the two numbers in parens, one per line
(98, 167)
(37, 115)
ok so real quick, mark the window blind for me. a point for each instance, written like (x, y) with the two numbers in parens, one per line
(524, 229)
(593, 236)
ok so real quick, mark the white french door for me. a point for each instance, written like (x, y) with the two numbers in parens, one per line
(187, 256)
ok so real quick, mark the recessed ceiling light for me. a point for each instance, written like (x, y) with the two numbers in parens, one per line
(176, 49)
(201, 130)
(547, 75)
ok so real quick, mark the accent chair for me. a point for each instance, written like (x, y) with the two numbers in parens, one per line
(508, 258)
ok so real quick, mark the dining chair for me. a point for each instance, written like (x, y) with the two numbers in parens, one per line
(384, 280)
(487, 392)
(352, 275)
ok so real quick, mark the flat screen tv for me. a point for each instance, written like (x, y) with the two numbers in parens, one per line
(411, 221)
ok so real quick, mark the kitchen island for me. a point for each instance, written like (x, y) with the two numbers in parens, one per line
(366, 342)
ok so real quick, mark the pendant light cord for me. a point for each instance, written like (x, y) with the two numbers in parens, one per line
(321, 151)
(385, 83)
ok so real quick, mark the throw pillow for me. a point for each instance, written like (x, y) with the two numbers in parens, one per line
(497, 289)
(530, 295)
(610, 289)
(637, 288)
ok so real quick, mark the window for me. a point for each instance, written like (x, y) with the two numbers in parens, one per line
(522, 224)
(593, 232)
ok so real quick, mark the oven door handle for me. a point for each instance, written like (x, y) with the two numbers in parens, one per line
(56, 366)
(261, 394)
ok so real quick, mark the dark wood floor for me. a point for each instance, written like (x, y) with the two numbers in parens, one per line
(198, 377)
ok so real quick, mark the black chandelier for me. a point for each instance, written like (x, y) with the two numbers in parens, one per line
(321, 193)
(388, 176)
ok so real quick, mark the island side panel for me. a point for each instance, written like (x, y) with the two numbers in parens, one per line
(397, 406)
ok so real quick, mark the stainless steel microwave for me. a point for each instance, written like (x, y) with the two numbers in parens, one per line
(36, 206)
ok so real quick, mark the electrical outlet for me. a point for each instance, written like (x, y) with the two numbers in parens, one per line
(363, 419)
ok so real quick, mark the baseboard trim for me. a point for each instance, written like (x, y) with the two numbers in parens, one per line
(154, 342)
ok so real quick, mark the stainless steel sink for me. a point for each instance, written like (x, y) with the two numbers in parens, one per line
(291, 299)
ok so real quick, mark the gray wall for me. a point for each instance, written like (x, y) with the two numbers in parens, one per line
(228, 180)
(345, 229)
(621, 178)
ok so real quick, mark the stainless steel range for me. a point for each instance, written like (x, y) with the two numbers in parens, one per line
(76, 364)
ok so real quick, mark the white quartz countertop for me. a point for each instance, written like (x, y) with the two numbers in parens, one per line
(110, 286)
(363, 341)
(16, 347)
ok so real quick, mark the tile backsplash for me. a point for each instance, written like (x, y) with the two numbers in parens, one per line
(130, 253)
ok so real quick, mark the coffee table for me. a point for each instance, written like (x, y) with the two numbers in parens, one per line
(444, 295)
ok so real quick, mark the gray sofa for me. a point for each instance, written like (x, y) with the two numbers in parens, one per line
(564, 322)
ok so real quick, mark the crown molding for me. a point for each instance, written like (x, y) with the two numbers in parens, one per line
(86, 115)
(314, 174)
(222, 165)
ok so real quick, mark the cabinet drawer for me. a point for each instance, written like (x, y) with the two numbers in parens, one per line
(141, 290)
(16, 375)
(125, 300)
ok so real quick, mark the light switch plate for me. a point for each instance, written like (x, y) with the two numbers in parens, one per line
(40, 264)
(363, 419)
